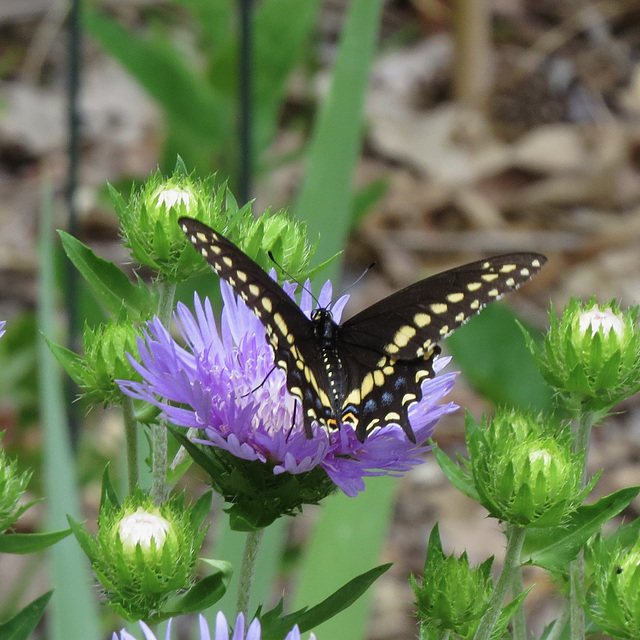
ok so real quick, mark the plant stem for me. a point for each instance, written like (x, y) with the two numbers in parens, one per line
(519, 618)
(575, 597)
(560, 623)
(247, 570)
(581, 442)
(131, 442)
(515, 540)
(159, 431)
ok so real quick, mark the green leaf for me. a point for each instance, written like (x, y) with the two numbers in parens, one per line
(108, 493)
(326, 196)
(30, 542)
(553, 549)
(24, 622)
(187, 98)
(275, 628)
(506, 613)
(204, 594)
(73, 364)
(458, 476)
(491, 351)
(74, 609)
(111, 285)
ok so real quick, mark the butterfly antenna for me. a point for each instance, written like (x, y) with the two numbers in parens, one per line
(291, 278)
(355, 282)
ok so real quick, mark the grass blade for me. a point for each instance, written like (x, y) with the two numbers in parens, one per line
(74, 610)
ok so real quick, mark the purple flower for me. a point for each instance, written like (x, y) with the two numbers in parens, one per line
(2, 330)
(227, 385)
(254, 631)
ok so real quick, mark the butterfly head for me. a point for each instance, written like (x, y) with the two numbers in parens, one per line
(323, 325)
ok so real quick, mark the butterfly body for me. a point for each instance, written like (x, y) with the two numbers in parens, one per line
(368, 371)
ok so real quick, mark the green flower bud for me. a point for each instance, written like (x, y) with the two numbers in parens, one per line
(614, 599)
(149, 220)
(591, 355)
(150, 226)
(523, 468)
(105, 360)
(12, 485)
(143, 554)
(452, 596)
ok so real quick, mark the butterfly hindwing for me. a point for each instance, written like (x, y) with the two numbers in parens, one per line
(368, 371)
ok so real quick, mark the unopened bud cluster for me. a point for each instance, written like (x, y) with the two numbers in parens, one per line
(591, 355)
(105, 360)
(614, 599)
(143, 554)
(453, 596)
(12, 486)
(150, 226)
(523, 468)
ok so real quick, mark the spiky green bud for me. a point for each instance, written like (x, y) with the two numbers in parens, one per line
(143, 554)
(523, 468)
(614, 599)
(105, 360)
(150, 226)
(12, 485)
(591, 355)
(453, 596)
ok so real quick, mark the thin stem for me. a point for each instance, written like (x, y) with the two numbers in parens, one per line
(575, 600)
(560, 623)
(515, 540)
(582, 431)
(131, 442)
(247, 570)
(159, 489)
(519, 618)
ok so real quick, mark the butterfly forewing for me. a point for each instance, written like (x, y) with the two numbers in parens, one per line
(368, 371)
(289, 331)
(408, 323)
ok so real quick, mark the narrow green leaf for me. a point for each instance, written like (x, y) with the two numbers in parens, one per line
(188, 99)
(459, 477)
(24, 622)
(30, 542)
(275, 628)
(351, 532)
(74, 612)
(110, 284)
(204, 594)
(326, 197)
(553, 548)
(70, 360)
(108, 493)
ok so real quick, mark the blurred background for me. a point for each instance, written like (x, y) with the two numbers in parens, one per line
(487, 126)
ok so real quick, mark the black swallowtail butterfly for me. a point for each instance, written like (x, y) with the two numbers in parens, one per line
(367, 371)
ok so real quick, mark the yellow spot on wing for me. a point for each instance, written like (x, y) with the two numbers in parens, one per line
(367, 385)
(455, 297)
(439, 307)
(489, 277)
(422, 319)
(281, 324)
(266, 305)
(408, 397)
(474, 286)
(507, 268)
(404, 335)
